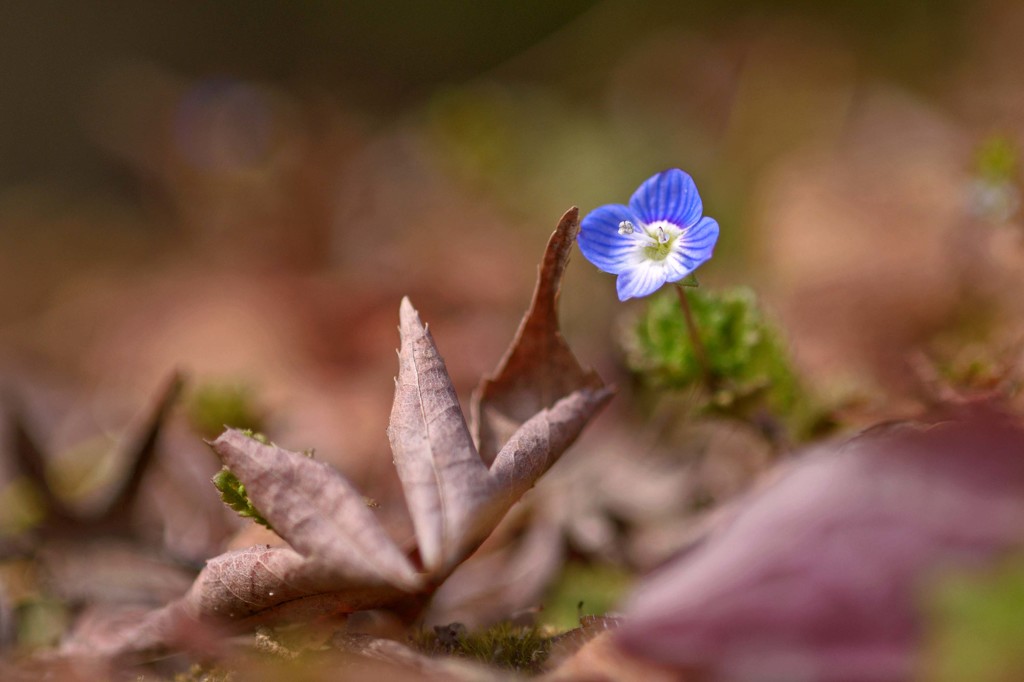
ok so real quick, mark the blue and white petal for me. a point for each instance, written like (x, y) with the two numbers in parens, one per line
(698, 242)
(601, 242)
(643, 279)
(670, 195)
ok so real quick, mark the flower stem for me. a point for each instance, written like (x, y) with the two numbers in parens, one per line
(698, 345)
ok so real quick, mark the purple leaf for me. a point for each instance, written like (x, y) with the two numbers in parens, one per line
(818, 576)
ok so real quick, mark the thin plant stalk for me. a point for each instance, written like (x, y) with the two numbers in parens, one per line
(698, 346)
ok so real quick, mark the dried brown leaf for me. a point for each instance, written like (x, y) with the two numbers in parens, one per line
(142, 446)
(276, 583)
(446, 484)
(538, 443)
(538, 368)
(318, 512)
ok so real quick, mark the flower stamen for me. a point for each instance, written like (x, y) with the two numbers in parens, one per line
(626, 227)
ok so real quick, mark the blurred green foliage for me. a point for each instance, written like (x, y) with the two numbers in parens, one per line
(976, 626)
(22, 507)
(997, 159)
(751, 373)
(42, 622)
(212, 407)
(584, 589)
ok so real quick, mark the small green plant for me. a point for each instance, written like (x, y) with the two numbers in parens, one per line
(748, 372)
(232, 493)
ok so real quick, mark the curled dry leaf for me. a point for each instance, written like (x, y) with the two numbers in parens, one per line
(539, 368)
(341, 559)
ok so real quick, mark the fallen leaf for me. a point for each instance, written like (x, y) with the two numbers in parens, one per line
(317, 511)
(600, 659)
(140, 444)
(539, 368)
(266, 584)
(818, 575)
(446, 484)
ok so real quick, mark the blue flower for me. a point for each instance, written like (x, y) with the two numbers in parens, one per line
(660, 237)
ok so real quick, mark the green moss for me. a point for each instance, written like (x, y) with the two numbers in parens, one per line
(233, 494)
(510, 647)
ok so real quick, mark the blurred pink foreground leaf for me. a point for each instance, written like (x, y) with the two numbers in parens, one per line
(340, 558)
(819, 576)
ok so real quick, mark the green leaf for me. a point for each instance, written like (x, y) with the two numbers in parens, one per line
(232, 493)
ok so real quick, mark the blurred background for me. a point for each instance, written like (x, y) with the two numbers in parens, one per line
(244, 191)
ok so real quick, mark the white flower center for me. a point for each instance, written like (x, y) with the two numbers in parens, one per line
(659, 239)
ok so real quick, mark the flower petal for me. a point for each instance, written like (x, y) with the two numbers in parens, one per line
(670, 195)
(698, 242)
(601, 243)
(641, 280)
(677, 266)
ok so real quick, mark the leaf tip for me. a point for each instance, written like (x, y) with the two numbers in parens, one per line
(408, 318)
(569, 224)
